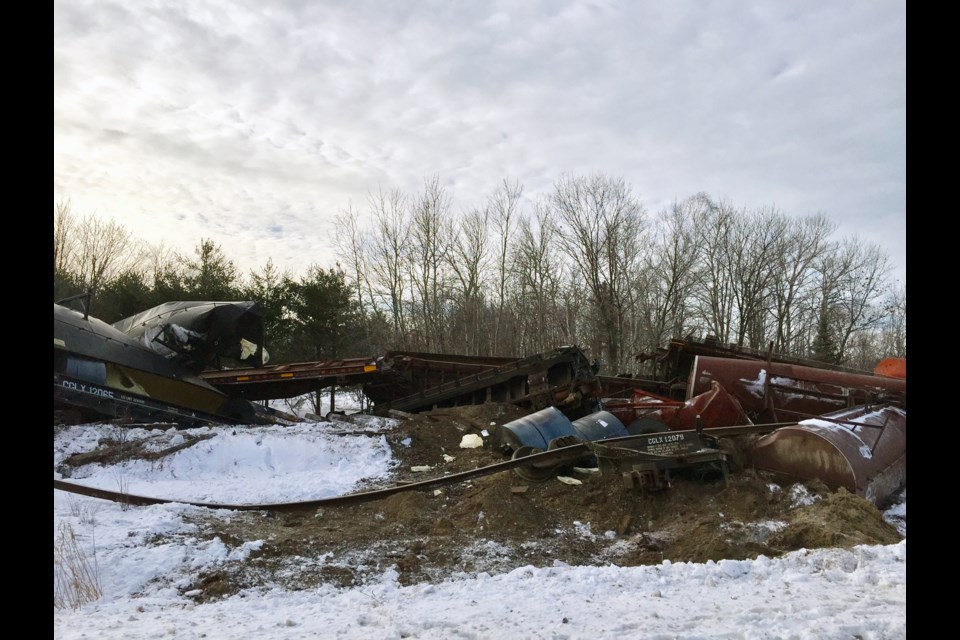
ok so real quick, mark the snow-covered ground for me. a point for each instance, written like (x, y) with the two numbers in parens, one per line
(147, 557)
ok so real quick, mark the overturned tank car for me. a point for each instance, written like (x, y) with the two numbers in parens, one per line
(862, 449)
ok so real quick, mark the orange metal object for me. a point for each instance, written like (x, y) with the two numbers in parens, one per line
(892, 368)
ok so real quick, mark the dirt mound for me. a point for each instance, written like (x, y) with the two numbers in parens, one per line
(838, 519)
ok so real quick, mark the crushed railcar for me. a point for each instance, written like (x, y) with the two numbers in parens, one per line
(200, 334)
(100, 372)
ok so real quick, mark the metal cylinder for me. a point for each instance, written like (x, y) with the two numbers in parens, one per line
(599, 426)
(863, 449)
(536, 430)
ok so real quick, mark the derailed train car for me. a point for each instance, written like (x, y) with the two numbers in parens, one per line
(774, 391)
(101, 372)
(852, 426)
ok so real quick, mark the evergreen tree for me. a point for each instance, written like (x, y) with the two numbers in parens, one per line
(824, 346)
(124, 296)
(275, 293)
(326, 320)
(211, 276)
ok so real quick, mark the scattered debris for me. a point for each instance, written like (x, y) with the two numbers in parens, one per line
(843, 450)
(800, 496)
(471, 441)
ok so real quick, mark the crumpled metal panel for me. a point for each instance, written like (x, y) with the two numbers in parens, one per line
(863, 449)
(715, 407)
(198, 333)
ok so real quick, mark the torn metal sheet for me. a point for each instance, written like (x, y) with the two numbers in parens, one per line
(863, 449)
(200, 334)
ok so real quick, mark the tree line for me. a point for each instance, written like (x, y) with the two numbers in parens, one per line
(585, 264)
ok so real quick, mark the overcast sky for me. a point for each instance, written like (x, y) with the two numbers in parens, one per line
(253, 123)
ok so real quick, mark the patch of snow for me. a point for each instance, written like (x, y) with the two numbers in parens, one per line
(245, 465)
(896, 514)
(758, 532)
(800, 496)
(755, 387)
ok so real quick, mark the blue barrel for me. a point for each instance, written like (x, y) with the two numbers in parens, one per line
(599, 426)
(537, 429)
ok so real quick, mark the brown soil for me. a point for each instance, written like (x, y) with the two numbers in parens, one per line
(500, 522)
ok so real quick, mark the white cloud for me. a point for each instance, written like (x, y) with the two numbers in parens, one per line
(185, 120)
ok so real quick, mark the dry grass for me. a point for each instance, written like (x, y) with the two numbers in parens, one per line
(76, 578)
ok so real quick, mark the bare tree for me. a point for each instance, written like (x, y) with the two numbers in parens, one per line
(537, 272)
(427, 261)
(106, 249)
(467, 258)
(801, 247)
(894, 330)
(389, 248)
(602, 226)
(352, 249)
(671, 270)
(852, 279)
(860, 284)
(713, 297)
(502, 208)
(64, 227)
(93, 251)
(752, 253)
